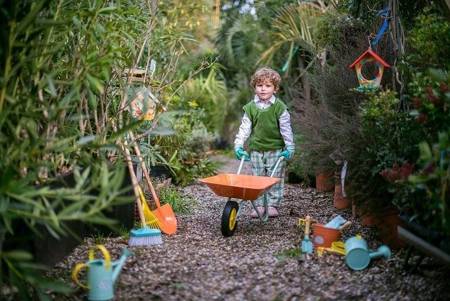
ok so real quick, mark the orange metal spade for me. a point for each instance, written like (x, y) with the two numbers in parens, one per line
(167, 220)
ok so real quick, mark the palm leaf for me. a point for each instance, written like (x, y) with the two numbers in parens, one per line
(293, 26)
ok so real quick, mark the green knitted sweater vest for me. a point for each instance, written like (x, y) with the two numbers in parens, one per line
(265, 134)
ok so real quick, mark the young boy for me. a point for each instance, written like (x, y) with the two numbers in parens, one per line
(267, 122)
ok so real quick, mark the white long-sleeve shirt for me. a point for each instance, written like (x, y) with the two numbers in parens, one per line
(245, 129)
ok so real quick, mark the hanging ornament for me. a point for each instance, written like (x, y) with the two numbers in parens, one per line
(369, 57)
(142, 105)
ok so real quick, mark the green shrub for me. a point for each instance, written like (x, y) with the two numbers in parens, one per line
(187, 148)
(430, 99)
(424, 196)
(388, 137)
(180, 204)
(429, 41)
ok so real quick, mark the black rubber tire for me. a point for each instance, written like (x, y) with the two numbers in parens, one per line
(229, 212)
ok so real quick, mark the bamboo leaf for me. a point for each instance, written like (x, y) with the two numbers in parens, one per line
(36, 7)
(86, 139)
(17, 255)
(51, 86)
(95, 83)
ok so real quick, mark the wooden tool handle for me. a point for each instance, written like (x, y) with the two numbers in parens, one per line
(137, 150)
(134, 181)
(307, 223)
(345, 226)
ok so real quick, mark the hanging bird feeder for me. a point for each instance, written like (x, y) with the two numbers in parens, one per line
(369, 57)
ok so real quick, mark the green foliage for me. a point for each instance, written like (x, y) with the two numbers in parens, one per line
(26, 279)
(210, 95)
(180, 204)
(429, 40)
(292, 27)
(388, 137)
(188, 146)
(424, 196)
(60, 95)
(339, 31)
(430, 97)
(289, 253)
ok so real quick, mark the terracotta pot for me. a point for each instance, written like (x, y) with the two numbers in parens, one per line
(339, 201)
(368, 219)
(324, 182)
(387, 222)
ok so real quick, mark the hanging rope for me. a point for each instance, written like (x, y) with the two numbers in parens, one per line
(384, 14)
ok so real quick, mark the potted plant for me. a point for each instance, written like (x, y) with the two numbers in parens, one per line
(424, 198)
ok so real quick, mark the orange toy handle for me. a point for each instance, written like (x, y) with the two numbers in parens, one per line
(75, 273)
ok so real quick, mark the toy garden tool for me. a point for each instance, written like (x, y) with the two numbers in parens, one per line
(336, 222)
(358, 255)
(150, 219)
(102, 274)
(337, 247)
(167, 220)
(307, 246)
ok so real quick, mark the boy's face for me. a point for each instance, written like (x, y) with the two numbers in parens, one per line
(264, 90)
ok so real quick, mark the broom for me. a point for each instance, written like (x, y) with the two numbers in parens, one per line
(144, 236)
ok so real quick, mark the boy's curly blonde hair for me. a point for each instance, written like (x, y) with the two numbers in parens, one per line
(263, 74)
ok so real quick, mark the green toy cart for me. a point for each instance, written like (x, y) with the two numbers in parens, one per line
(243, 187)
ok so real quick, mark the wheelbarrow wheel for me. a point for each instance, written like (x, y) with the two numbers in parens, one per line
(229, 215)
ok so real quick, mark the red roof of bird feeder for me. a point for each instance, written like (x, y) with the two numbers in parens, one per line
(373, 54)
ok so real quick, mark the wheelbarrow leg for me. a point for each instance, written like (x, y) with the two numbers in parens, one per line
(264, 217)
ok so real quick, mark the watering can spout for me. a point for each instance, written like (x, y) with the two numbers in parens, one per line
(118, 264)
(382, 251)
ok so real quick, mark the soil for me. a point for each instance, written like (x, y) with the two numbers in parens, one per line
(261, 261)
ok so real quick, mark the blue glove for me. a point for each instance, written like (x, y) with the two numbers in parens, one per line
(240, 152)
(288, 153)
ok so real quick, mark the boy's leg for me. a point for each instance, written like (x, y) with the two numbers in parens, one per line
(275, 194)
(258, 169)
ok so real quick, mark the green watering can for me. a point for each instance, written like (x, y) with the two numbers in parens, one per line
(358, 255)
(102, 274)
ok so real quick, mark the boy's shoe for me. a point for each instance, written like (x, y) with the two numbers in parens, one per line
(273, 212)
(254, 214)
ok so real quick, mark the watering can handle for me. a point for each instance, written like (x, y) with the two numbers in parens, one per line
(105, 253)
(75, 273)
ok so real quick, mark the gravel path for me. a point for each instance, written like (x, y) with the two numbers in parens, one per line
(259, 262)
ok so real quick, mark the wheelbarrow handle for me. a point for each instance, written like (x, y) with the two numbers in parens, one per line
(273, 170)
(276, 165)
(240, 165)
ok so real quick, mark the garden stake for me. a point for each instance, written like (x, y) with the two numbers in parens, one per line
(143, 236)
(167, 220)
(307, 246)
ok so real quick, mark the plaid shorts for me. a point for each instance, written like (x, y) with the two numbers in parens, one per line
(262, 165)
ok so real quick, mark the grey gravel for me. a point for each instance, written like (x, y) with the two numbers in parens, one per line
(198, 263)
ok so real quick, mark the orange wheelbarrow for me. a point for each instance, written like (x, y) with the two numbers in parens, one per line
(243, 187)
